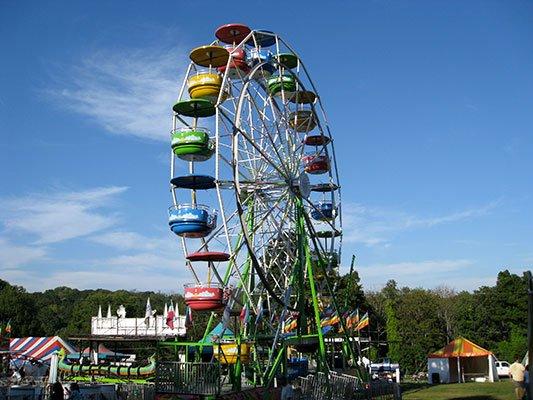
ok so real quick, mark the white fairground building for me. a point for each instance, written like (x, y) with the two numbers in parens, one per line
(170, 324)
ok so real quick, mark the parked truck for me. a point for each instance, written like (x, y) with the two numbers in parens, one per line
(384, 368)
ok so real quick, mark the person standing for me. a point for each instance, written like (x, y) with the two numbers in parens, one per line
(516, 373)
(287, 392)
(75, 393)
(56, 391)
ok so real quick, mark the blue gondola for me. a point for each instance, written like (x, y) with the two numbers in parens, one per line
(191, 221)
(323, 211)
(261, 56)
(324, 187)
(194, 182)
(262, 38)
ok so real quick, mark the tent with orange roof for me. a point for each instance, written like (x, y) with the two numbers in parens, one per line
(460, 361)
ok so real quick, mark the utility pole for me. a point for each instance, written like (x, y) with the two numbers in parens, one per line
(529, 329)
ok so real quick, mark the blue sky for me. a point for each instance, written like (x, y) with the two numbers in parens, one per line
(430, 104)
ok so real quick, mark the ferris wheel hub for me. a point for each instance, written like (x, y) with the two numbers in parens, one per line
(301, 185)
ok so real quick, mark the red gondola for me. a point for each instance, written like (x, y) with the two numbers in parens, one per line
(204, 297)
(209, 256)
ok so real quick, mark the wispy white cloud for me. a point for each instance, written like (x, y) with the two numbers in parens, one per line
(425, 273)
(141, 251)
(13, 255)
(125, 240)
(60, 216)
(373, 226)
(147, 257)
(139, 261)
(126, 92)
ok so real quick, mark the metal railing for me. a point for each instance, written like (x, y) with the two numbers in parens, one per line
(22, 393)
(133, 391)
(188, 378)
(346, 387)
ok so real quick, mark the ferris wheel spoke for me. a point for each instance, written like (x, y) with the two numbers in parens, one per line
(255, 262)
(274, 147)
(272, 243)
(259, 137)
(261, 151)
(256, 227)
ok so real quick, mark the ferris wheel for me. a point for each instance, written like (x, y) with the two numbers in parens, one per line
(256, 193)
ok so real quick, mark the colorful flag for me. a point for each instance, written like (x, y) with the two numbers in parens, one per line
(170, 316)
(245, 314)
(291, 325)
(260, 310)
(188, 317)
(335, 319)
(148, 312)
(331, 320)
(364, 322)
(353, 319)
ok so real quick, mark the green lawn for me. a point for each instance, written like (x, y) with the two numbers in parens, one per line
(468, 391)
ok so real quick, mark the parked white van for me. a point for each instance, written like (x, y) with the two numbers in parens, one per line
(503, 368)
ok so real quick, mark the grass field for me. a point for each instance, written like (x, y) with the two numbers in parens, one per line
(468, 391)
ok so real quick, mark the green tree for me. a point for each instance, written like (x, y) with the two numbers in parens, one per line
(349, 292)
(393, 336)
(490, 313)
(419, 327)
(18, 308)
(55, 308)
(515, 346)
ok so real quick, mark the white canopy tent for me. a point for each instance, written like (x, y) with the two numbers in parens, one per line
(460, 361)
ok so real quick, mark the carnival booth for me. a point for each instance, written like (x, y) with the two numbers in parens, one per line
(461, 361)
(33, 354)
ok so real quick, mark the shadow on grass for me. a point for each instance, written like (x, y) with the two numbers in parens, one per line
(474, 398)
(412, 387)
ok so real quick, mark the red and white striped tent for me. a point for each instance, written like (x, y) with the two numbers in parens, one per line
(37, 348)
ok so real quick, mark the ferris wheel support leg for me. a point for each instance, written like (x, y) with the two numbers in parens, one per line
(349, 350)
(238, 365)
(277, 363)
(322, 364)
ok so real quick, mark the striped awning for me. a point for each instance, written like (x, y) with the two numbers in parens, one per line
(460, 347)
(38, 348)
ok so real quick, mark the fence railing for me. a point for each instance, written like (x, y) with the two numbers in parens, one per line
(41, 391)
(188, 378)
(336, 386)
(132, 391)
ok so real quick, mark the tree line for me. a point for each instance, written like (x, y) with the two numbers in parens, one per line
(409, 323)
(406, 324)
(67, 312)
